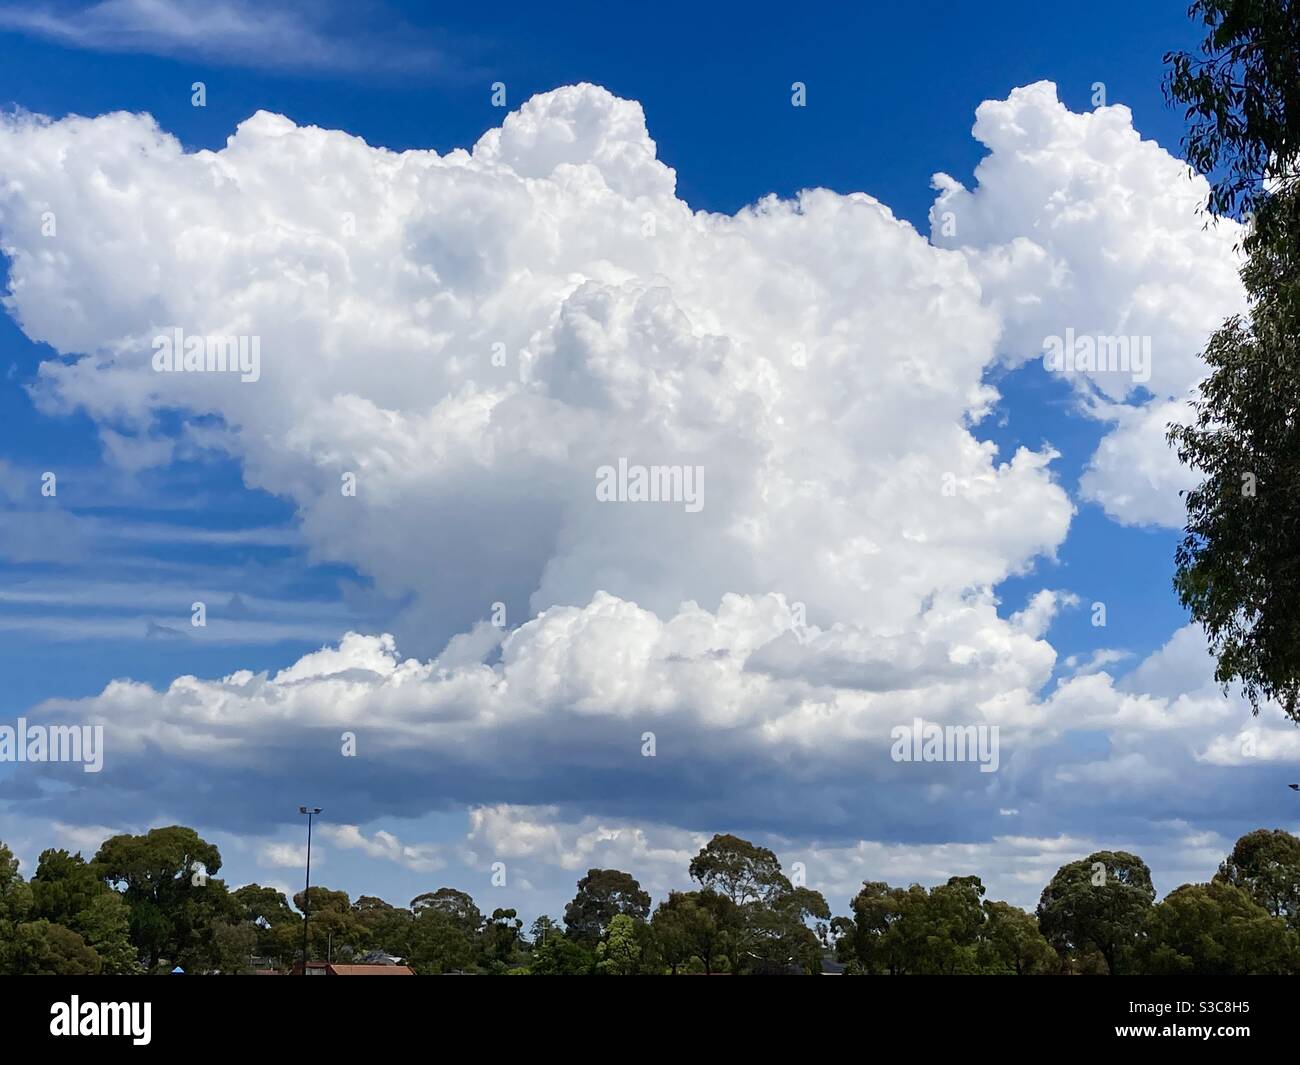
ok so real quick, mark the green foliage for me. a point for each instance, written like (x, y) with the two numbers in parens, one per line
(500, 941)
(1267, 866)
(1011, 943)
(1095, 916)
(276, 927)
(232, 947)
(542, 927)
(388, 928)
(153, 865)
(676, 924)
(1215, 929)
(911, 931)
(165, 876)
(323, 900)
(1099, 902)
(602, 895)
(68, 891)
(758, 919)
(724, 932)
(63, 886)
(445, 933)
(265, 904)
(1236, 564)
(335, 932)
(697, 930)
(15, 894)
(1242, 98)
(880, 937)
(105, 925)
(778, 938)
(192, 919)
(15, 904)
(619, 953)
(740, 870)
(948, 930)
(40, 948)
(561, 955)
(455, 904)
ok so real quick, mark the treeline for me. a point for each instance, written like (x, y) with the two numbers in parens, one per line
(144, 904)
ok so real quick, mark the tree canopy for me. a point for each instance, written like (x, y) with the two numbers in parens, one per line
(1236, 565)
(137, 914)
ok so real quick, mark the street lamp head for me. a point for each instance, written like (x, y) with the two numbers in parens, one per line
(1294, 787)
(305, 810)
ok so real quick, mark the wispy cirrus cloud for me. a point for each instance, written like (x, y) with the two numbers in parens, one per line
(324, 37)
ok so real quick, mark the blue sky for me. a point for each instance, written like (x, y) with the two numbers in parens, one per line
(98, 585)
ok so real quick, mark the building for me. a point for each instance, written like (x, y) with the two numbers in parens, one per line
(378, 957)
(326, 968)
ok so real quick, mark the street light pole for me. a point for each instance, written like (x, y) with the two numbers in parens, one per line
(306, 895)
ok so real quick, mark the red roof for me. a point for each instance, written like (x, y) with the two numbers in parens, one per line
(370, 970)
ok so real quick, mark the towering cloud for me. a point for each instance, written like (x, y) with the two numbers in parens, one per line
(453, 347)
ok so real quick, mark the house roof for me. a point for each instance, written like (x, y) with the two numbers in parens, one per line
(379, 957)
(371, 970)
